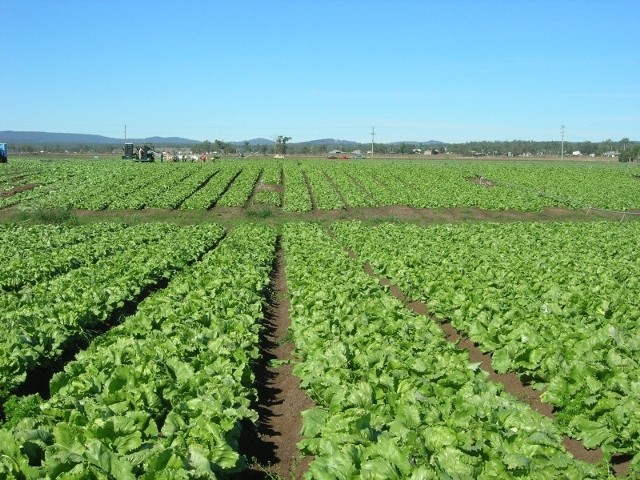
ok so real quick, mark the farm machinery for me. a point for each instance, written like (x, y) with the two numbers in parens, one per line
(139, 154)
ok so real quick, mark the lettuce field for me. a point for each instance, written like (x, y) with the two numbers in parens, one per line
(306, 185)
(147, 349)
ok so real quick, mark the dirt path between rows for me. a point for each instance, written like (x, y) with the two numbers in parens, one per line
(268, 214)
(511, 382)
(270, 445)
(18, 189)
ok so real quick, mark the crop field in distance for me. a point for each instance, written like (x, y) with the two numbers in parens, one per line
(319, 319)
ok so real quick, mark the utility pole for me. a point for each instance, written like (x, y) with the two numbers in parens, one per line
(562, 150)
(125, 134)
(373, 134)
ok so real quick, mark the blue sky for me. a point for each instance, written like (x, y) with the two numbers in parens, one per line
(232, 70)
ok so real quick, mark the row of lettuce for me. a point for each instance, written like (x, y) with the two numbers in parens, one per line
(164, 393)
(135, 186)
(394, 398)
(303, 185)
(82, 285)
(556, 303)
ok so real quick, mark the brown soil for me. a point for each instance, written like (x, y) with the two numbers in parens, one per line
(310, 190)
(512, 383)
(425, 216)
(271, 444)
(269, 187)
(338, 191)
(360, 186)
(18, 189)
(391, 213)
(485, 182)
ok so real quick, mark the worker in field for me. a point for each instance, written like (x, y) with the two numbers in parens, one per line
(3, 153)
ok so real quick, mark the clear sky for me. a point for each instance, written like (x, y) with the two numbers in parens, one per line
(416, 70)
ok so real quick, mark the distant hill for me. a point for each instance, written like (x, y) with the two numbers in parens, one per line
(164, 140)
(48, 138)
(254, 142)
(329, 141)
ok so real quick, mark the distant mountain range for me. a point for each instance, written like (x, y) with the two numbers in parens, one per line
(48, 138)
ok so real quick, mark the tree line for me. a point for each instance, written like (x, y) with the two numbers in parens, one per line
(540, 148)
(626, 149)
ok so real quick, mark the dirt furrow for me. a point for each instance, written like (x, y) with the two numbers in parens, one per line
(270, 445)
(314, 206)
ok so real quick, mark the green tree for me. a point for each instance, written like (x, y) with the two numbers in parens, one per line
(281, 144)
(630, 154)
(623, 143)
(319, 149)
(219, 146)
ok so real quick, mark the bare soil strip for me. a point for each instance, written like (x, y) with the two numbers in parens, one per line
(226, 189)
(390, 213)
(338, 191)
(199, 187)
(257, 186)
(281, 187)
(271, 444)
(314, 207)
(511, 382)
(18, 189)
(360, 186)
(485, 182)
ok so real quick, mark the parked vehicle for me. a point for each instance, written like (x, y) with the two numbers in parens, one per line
(140, 154)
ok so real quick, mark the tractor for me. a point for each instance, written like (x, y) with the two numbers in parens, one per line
(140, 154)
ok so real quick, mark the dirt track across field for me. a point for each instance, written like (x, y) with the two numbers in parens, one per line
(272, 215)
(271, 444)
